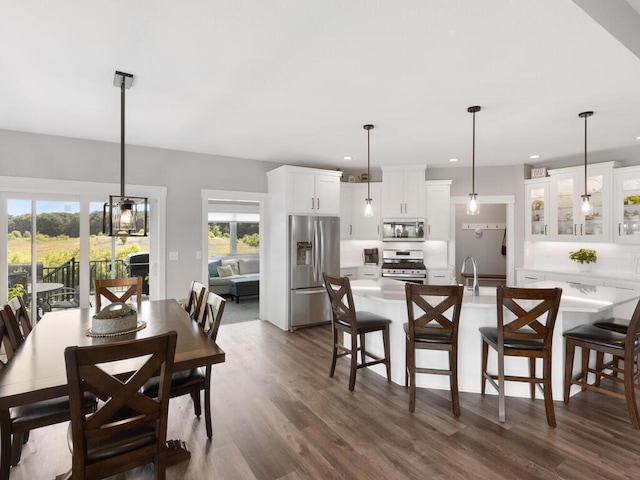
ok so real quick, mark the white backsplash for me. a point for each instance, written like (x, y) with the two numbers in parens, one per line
(613, 259)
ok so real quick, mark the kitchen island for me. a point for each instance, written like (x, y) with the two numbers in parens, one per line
(580, 304)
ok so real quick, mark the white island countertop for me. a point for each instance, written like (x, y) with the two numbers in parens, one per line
(575, 298)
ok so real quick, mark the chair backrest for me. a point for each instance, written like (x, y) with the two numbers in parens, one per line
(342, 307)
(21, 313)
(103, 290)
(535, 311)
(212, 316)
(427, 305)
(197, 294)
(12, 328)
(128, 428)
(4, 337)
(633, 331)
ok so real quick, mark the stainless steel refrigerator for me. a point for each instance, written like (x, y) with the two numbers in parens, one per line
(314, 244)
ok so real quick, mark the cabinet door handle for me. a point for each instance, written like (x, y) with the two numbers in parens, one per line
(405, 208)
(313, 202)
(574, 283)
(350, 229)
(428, 229)
(318, 199)
(581, 229)
(545, 228)
(575, 230)
(378, 229)
(531, 278)
(619, 226)
(401, 208)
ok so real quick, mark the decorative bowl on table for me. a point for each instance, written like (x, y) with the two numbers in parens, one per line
(115, 319)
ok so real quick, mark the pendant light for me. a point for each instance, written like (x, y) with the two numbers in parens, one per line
(122, 214)
(472, 204)
(368, 209)
(585, 206)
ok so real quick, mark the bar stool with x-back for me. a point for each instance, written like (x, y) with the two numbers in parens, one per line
(357, 324)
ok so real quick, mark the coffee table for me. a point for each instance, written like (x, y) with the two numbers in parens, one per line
(243, 287)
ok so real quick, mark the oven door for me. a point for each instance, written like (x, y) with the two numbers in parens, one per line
(407, 278)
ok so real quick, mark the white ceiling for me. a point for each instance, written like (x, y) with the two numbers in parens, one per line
(294, 80)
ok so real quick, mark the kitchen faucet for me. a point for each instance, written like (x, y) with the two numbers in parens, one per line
(475, 287)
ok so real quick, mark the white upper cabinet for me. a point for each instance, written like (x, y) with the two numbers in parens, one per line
(353, 224)
(536, 209)
(626, 227)
(438, 208)
(567, 222)
(310, 191)
(403, 192)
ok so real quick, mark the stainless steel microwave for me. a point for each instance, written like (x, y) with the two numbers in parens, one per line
(403, 230)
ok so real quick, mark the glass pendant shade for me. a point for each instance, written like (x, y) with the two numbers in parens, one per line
(585, 206)
(472, 204)
(368, 208)
(124, 215)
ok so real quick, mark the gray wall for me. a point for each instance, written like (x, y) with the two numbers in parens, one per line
(184, 174)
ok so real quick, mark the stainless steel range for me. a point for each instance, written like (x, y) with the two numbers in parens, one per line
(405, 265)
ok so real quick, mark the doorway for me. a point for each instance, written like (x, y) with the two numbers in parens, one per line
(485, 237)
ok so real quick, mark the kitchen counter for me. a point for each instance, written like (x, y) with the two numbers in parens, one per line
(579, 305)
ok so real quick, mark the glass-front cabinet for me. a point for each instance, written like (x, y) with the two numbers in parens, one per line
(568, 223)
(537, 209)
(627, 205)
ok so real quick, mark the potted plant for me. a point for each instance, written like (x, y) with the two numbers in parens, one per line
(584, 257)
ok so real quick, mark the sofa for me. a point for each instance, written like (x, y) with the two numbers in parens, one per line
(223, 269)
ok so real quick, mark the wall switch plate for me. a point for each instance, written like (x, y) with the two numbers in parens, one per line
(198, 255)
(174, 256)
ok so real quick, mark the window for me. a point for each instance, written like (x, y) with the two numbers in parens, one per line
(233, 234)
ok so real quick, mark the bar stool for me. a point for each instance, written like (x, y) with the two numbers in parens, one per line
(346, 319)
(429, 329)
(625, 347)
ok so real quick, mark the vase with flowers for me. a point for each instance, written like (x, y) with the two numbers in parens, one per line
(585, 257)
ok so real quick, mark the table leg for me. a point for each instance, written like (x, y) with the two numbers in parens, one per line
(5, 444)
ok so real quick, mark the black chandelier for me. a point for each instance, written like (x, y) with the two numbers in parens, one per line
(124, 216)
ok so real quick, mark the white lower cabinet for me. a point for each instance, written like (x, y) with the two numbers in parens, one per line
(439, 276)
(351, 272)
(368, 272)
(524, 277)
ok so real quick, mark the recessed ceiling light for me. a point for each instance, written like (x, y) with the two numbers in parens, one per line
(534, 156)
(453, 159)
(347, 158)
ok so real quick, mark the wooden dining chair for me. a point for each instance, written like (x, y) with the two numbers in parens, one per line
(128, 429)
(345, 319)
(529, 334)
(195, 299)
(623, 369)
(103, 288)
(192, 382)
(434, 315)
(16, 424)
(21, 312)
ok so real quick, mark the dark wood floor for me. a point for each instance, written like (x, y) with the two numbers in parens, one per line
(277, 415)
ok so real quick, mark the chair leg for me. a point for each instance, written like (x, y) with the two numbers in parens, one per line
(16, 448)
(406, 362)
(363, 349)
(207, 402)
(411, 365)
(548, 393)
(629, 392)
(485, 354)
(532, 374)
(334, 356)
(354, 361)
(195, 396)
(387, 351)
(584, 374)
(501, 402)
(568, 368)
(599, 367)
(455, 397)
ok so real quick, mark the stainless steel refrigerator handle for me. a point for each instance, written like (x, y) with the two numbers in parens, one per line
(320, 254)
(314, 258)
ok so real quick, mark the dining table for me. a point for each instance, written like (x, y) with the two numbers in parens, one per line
(37, 370)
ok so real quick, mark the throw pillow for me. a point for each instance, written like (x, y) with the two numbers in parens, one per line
(213, 268)
(225, 271)
(233, 263)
